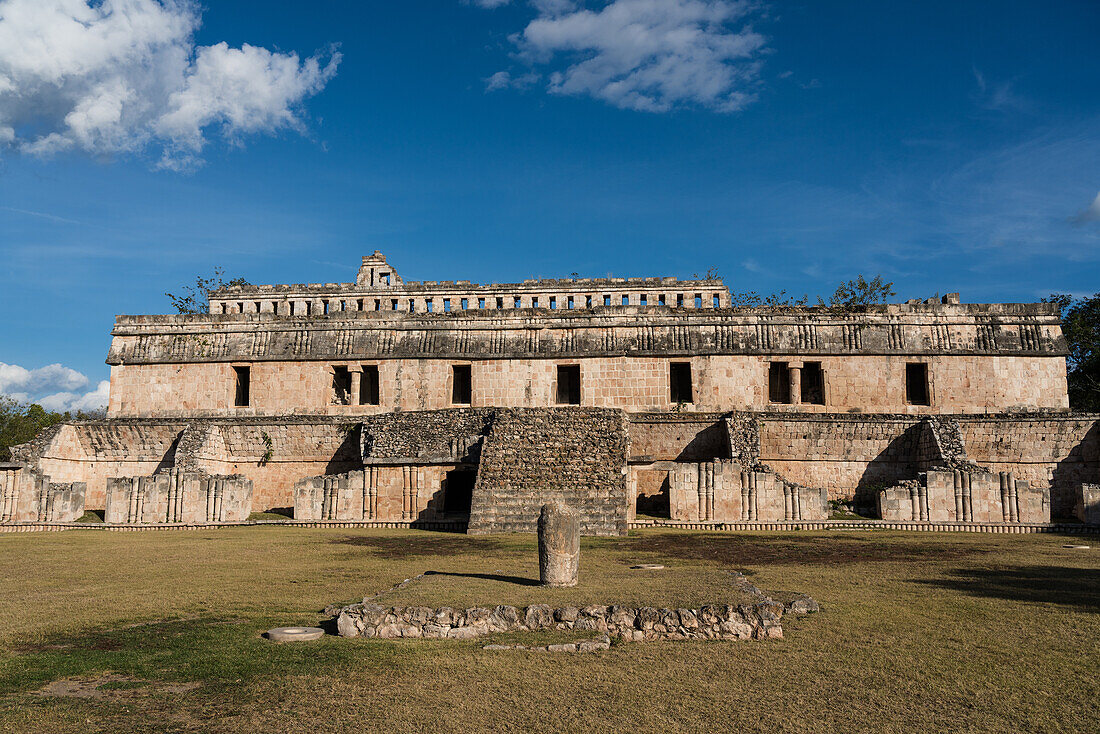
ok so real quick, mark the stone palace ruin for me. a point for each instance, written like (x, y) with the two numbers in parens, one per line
(387, 402)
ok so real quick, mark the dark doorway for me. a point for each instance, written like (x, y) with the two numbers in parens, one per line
(241, 386)
(569, 384)
(341, 385)
(779, 383)
(458, 491)
(655, 505)
(916, 383)
(679, 382)
(813, 383)
(368, 387)
(461, 387)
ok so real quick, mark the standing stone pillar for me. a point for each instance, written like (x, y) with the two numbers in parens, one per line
(356, 384)
(795, 372)
(559, 546)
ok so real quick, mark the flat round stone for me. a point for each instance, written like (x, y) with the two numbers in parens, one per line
(294, 634)
(1076, 547)
(647, 567)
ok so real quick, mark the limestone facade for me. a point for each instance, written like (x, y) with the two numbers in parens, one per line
(387, 400)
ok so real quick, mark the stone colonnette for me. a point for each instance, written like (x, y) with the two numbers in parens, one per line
(559, 546)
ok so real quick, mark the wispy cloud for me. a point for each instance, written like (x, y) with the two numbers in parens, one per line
(647, 55)
(122, 77)
(1090, 213)
(39, 215)
(1000, 96)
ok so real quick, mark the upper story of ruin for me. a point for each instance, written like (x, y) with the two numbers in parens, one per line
(379, 289)
(385, 344)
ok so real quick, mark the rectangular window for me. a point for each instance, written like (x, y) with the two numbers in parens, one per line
(393, 304)
(369, 393)
(258, 309)
(569, 303)
(607, 299)
(240, 307)
(377, 304)
(588, 301)
(515, 301)
(384, 277)
(461, 384)
(626, 300)
(360, 304)
(428, 305)
(343, 305)
(643, 300)
(500, 303)
(714, 301)
(274, 308)
(535, 302)
(779, 383)
(446, 304)
(324, 307)
(916, 384)
(679, 382)
(553, 302)
(698, 300)
(465, 304)
(569, 384)
(679, 300)
(291, 308)
(412, 305)
(241, 386)
(309, 308)
(813, 383)
(341, 386)
(481, 303)
(661, 300)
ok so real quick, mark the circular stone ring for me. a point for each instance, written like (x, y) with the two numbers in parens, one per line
(294, 634)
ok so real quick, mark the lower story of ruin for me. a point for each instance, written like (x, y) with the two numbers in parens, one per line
(491, 469)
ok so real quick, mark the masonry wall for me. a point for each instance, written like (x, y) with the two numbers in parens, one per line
(576, 456)
(873, 384)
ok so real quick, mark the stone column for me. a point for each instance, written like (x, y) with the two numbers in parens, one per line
(794, 369)
(559, 546)
(356, 382)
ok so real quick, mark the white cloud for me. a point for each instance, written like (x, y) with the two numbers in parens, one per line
(1090, 213)
(504, 80)
(651, 55)
(122, 76)
(54, 387)
(71, 402)
(490, 3)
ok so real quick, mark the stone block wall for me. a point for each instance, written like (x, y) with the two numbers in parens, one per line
(30, 496)
(1087, 507)
(574, 455)
(724, 491)
(962, 496)
(973, 384)
(178, 497)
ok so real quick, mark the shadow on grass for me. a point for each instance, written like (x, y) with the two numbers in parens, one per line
(519, 580)
(741, 550)
(395, 547)
(1072, 587)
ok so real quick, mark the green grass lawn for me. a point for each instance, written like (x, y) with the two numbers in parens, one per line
(160, 631)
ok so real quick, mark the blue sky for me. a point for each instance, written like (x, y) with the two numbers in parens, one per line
(949, 146)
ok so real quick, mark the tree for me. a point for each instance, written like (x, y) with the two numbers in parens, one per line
(859, 293)
(1081, 326)
(195, 298)
(20, 423)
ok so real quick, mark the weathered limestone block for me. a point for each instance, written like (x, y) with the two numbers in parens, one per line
(10, 475)
(962, 496)
(1088, 504)
(722, 491)
(27, 496)
(349, 496)
(184, 497)
(559, 546)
